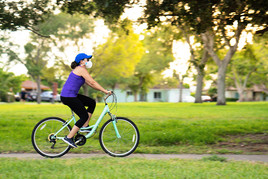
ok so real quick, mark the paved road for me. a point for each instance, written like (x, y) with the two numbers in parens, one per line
(259, 158)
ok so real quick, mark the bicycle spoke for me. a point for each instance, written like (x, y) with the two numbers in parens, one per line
(43, 140)
(119, 146)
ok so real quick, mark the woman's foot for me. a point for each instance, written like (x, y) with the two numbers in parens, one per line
(69, 141)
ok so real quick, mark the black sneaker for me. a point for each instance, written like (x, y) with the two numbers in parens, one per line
(82, 129)
(69, 141)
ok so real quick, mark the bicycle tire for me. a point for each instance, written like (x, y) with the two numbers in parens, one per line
(40, 140)
(119, 147)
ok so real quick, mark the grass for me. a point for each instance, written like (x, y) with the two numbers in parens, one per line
(215, 158)
(107, 167)
(164, 127)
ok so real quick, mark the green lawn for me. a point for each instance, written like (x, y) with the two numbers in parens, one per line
(106, 167)
(164, 127)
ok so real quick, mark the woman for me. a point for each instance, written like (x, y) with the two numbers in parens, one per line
(77, 102)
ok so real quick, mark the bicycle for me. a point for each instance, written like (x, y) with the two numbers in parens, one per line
(118, 137)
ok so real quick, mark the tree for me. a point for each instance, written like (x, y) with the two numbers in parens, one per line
(260, 47)
(67, 30)
(9, 84)
(157, 44)
(169, 12)
(180, 78)
(37, 53)
(109, 10)
(244, 63)
(220, 23)
(247, 66)
(199, 58)
(118, 56)
(38, 50)
(24, 14)
(6, 46)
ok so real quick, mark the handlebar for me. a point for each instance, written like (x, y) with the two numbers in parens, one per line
(107, 96)
(113, 104)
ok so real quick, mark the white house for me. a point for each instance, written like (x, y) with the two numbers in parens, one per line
(155, 95)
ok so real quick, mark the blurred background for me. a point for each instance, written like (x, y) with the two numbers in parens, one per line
(154, 51)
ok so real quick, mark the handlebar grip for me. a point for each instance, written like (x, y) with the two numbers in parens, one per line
(108, 95)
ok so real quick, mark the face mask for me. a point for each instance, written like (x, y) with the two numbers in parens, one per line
(88, 64)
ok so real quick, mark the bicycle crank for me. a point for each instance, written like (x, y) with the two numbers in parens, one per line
(80, 139)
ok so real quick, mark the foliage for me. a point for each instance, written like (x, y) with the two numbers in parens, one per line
(36, 51)
(21, 13)
(110, 10)
(260, 47)
(249, 67)
(118, 56)
(9, 84)
(6, 46)
(248, 62)
(202, 15)
(219, 23)
(169, 82)
(158, 54)
(51, 75)
(212, 92)
(65, 30)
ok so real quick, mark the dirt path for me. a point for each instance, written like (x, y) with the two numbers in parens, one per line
(256, 158)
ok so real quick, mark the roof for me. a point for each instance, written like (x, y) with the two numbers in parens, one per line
(255, 88)
(260, 88)
(32, 85)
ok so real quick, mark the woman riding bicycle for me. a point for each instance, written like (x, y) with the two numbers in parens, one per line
(77, 102)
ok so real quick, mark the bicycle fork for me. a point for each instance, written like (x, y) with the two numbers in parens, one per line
(114, 121)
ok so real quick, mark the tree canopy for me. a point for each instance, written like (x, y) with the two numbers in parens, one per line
(23, 14)
(119, 55)
(220, 24)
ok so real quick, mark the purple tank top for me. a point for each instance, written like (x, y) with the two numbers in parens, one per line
(72, 85)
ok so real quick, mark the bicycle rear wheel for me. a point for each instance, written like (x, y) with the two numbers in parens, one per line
(45, 142)
(119, 147)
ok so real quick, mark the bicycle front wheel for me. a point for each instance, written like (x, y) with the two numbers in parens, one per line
(119, 145)
(45, 142)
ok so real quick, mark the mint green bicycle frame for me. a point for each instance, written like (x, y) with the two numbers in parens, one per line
(93, 127)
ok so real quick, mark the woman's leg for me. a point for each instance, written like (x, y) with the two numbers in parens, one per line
(77, 106)
(74, 130)
(89, 116)
(91, 103)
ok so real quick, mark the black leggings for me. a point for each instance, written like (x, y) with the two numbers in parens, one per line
(77, 104)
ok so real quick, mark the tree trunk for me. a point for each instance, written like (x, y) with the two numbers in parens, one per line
(241, 95)
(181, 88)
(208, 39)
(221, 100)
(38, 82)
(135, 97)
(240, 84)
(198, 64)
(143, 96)
(199, 87)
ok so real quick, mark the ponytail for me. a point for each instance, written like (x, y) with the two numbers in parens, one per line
(74, 64)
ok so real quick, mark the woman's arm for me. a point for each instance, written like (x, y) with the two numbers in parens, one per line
(91, 82)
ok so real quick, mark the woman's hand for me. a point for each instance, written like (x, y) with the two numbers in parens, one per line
(108, 92)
